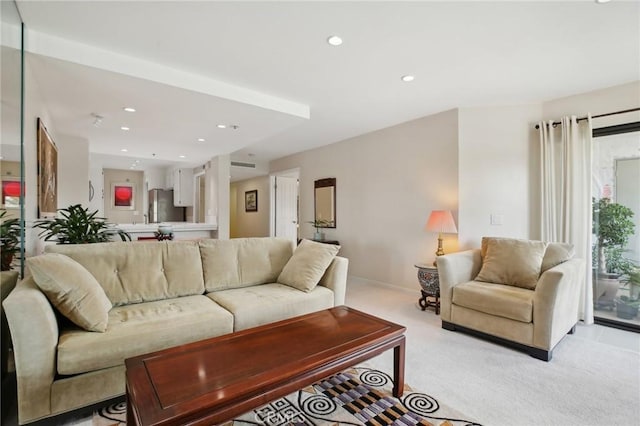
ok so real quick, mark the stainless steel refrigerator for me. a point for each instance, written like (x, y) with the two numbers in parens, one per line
(161, 208)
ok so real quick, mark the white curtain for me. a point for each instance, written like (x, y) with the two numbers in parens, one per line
(566, 193)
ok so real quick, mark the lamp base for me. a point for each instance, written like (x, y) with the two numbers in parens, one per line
(440, 251)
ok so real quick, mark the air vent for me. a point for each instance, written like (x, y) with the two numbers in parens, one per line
(240, 164)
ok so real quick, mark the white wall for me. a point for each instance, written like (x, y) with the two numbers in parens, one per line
(250, 224)
(387, 183)
(73, 171)
(611, 99)
(217, 199)
(497, 173)
(34, 107)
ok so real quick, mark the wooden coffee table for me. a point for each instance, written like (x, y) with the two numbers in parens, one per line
(215, 380)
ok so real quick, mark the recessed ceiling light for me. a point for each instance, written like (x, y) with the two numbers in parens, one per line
(221, 126)
(129, 109)
(137, 161)
(407, 78)
(125, 128)
(200, 139)
(602, 1)
(334, 40)
(181, 156)
(124, 150)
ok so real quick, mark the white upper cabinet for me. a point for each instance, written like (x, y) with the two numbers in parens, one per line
(183, 187)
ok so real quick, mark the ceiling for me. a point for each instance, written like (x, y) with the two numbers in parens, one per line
(267, 68)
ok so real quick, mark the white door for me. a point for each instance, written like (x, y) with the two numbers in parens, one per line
(286, 207)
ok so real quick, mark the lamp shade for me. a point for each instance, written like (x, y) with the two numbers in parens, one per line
(441, 221)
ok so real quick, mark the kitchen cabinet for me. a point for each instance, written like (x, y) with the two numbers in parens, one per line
(183, 187)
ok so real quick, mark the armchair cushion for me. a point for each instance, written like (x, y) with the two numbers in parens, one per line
(511, 261)
(72, 290)
(495, 299)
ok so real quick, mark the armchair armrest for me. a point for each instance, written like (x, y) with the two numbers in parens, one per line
(34, 332)
(556, 302)
(454, 269)
(335, 279)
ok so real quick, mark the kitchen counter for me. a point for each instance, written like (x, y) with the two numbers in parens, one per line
(181, 230)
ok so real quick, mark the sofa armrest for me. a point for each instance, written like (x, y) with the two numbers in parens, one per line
(454, 269)
(556, 302)
(335, 279)
(34, 332)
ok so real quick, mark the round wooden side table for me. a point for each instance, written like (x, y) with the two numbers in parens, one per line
(430, 286)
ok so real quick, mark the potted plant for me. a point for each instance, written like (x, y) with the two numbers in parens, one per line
(77, 226)
(612, 226)
(318, 224)
(9, 239)
(627, 306)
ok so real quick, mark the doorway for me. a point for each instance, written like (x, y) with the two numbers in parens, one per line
(616, 227)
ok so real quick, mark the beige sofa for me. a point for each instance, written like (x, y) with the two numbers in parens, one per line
(163, 294)
(532, 317)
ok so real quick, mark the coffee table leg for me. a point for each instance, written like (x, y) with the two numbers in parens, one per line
(398, 369)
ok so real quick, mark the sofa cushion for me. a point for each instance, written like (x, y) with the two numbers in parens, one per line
(133, 272)
(242, 262)
(495, 299)
(72, 290)
(556, 254)
(253, 306)
(511, 261)
(142, 328)
(307, 265)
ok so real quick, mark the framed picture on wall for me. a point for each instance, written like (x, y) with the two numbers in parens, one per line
(47, 173)
(251, 201)
(122, 196)
(11, 190)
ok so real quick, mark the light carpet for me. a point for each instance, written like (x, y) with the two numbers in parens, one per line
(357, 396)
(593, 378)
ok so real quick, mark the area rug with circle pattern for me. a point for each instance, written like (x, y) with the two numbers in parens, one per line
(357, 396)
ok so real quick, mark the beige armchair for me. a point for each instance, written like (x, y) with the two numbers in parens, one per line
(533, 317)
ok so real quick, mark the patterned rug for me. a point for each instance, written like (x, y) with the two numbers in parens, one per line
(358, 396)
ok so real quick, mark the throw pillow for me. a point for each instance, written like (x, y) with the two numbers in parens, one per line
(512, 262)
(556, 254)
(72, 290)
(307, 265)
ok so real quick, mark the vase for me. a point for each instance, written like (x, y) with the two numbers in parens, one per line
(318, 236)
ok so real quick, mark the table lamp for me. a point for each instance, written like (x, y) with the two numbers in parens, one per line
(441, 221)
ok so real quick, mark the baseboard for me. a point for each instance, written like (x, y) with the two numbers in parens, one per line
(367, 281)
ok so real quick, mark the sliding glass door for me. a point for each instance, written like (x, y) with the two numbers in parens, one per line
(616, 225)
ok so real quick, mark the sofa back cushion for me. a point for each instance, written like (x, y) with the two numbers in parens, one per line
(242, 262)
(133, 272)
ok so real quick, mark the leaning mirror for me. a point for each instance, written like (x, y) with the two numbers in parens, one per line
(11, 165)
(325, 203)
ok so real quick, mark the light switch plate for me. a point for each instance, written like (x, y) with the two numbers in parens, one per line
(497, 219)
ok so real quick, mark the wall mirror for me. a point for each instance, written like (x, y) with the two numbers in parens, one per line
(325, 203)
(12, 171)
